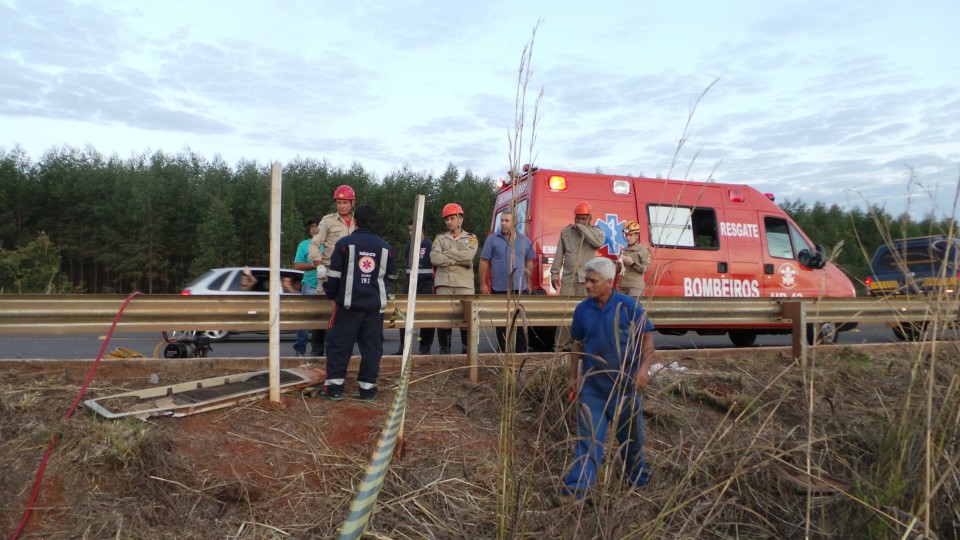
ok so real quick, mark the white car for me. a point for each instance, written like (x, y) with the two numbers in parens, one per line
(227, 281)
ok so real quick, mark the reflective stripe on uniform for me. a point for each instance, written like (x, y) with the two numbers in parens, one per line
(347, 285)
(366, 385)
(335, 382)
(384, 253)
(333, 273)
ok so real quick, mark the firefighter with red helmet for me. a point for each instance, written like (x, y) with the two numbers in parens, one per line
(633, 263)
(578, 244)
(453, 253)
(332, 227)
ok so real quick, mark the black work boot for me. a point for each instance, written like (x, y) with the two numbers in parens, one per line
(443, 340)
(333, 392)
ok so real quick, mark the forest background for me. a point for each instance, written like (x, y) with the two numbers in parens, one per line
(78, 222)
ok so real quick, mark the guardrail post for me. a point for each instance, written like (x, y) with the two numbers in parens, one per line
(796, 312)
(472, 315)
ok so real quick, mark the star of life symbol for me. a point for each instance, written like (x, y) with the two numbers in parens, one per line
(788, 276)
(613, 233)
(367, 264)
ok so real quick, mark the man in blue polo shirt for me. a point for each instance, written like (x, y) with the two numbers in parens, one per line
(612, 351)
(506, 263)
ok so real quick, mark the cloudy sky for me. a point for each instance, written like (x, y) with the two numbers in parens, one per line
(854, 102)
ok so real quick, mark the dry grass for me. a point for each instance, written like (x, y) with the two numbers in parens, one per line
(737, 470)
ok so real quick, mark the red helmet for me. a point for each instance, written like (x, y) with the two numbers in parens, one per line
(451, 209)
(344, 193)
(583, 208)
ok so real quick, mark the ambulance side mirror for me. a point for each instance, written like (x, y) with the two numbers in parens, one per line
(812, 260)
(821, 256)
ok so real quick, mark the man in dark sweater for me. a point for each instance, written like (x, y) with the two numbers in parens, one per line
(361, 268)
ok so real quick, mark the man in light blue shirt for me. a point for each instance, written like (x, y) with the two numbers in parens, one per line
(308, 287)
(506, 264)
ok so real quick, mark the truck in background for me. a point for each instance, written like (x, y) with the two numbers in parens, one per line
(707, 240)
(922, 266)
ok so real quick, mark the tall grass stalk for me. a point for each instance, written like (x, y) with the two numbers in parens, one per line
(510, 501)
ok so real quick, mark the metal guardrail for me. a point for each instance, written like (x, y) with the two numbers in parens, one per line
(61, 314)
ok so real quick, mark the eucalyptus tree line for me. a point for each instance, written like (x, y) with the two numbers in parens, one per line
(153, 222)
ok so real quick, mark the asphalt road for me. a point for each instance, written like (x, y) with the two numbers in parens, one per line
(87, 346)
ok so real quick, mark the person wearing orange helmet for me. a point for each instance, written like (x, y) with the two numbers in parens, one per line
(452, 254)
(633, 263)
(332, 227)
(578, 244)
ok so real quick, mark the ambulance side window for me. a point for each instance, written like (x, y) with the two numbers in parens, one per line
(519, 218)
(799, 242)
(679, 226)
(778, 238)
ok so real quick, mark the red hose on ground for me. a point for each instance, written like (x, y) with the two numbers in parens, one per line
(53, 440)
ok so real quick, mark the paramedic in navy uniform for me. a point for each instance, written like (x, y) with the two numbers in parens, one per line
(361, 268)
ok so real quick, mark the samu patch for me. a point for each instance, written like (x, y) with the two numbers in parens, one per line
(367, 264)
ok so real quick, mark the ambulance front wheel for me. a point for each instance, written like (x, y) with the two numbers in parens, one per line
(742, 338)
(824, 334)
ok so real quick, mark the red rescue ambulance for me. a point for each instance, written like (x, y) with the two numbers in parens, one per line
(707, 240)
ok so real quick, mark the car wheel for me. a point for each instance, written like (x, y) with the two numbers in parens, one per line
(825, 334)
(742, 338)
(217, 335)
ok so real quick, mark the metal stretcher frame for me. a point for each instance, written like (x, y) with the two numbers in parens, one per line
(193, 397)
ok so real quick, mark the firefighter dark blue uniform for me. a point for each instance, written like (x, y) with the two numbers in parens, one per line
(361, 268)
(424, 286)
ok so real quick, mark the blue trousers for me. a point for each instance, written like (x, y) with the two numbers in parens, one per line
(315, 337)
(594, 415)
(521, 334)
(349, 327)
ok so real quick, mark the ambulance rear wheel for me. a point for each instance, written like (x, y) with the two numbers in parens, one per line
(742, 338)
(824, 334)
